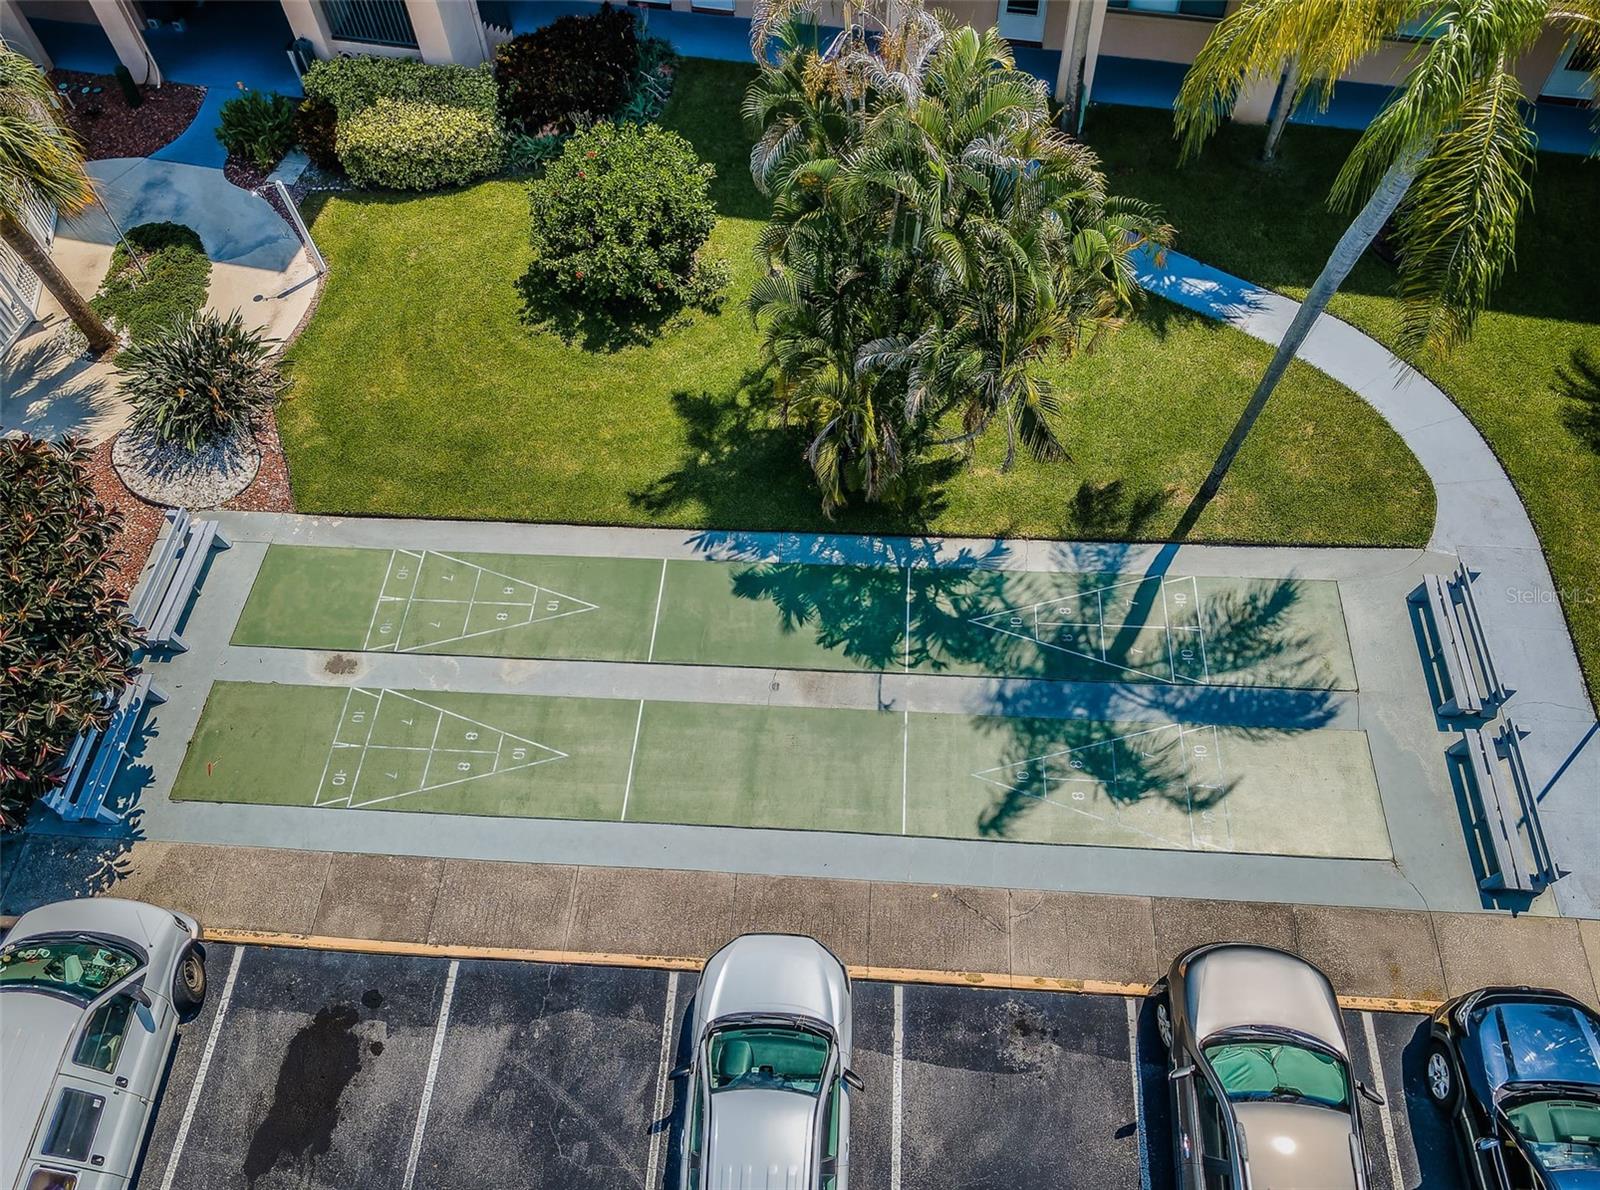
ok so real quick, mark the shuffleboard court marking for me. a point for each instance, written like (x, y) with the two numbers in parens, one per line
(1064, 767)
(1014, 620)
(627, 788)
(517, 604)
(905, 648)
(343, 752)
(655, 623)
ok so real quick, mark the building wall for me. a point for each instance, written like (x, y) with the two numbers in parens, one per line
(78, 11)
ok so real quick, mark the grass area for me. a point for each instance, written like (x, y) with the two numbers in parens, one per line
(418, 392)
(1530, 376)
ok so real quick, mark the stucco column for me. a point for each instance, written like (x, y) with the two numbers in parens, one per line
(1533, 68)
(121, 25)
(1080, 49)
(1254, 105)
(449, 31)
(17, 33)
(306, 20)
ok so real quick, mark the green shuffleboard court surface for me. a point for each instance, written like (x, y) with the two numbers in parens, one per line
(1074, 627)
(1156, 785)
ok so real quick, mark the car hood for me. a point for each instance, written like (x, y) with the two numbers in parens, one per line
(1294, 1146)
(775, 973)
(759, 1139)
(1251, 987)
(35, 1030)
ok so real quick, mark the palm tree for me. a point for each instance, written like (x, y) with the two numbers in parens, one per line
(41, 161)
(1447, 158)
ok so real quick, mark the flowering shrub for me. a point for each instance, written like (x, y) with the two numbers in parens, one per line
(618, 221)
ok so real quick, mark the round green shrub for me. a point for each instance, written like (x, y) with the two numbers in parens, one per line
(408, 145)
(618, 218)
(169, 287)
(204, 379)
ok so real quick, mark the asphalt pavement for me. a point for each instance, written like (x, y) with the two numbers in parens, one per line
(327, 1069)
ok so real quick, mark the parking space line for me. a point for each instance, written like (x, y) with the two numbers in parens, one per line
(653, 1167)
(1375, 1060)
(1138, 1091)
(433, 1072)
(896, 1115)
(200, 1073)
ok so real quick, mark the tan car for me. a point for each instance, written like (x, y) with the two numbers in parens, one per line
(1259, 1072)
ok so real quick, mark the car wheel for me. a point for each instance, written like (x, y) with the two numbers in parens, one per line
(1440, 1075)
(189, 982)
(1163, 1016)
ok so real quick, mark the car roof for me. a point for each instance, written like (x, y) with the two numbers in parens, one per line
(759, 1139)
(782, 974)
(35, 1030)
(1295, 1146)
(1240, 986)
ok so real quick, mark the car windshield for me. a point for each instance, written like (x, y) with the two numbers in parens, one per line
(78, 967)
(1276, 1070)
(773, 1057)
(1562, 1131)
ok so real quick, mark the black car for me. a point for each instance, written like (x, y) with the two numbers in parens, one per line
(1518, 1072)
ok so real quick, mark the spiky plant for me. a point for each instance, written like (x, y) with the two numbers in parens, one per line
(65, 642)
(207, 378)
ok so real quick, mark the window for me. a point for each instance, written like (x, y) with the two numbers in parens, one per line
(1208, 10)
(1270, 1070)
(102, 1036)
(72, 1129)
(829, 1140)
(1564, 1133)
(773, 1057)
(1216, 1154)
(374, 22)
(78, 967)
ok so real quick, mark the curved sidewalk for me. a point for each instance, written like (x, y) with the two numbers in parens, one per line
(1480, 518)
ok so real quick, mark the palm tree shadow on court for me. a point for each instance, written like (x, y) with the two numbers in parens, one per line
(1115, 728)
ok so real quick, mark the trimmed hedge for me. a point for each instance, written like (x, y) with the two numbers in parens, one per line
(618, 221)
(316, 125)
(407, 145)
(352, 84)
(575, 67)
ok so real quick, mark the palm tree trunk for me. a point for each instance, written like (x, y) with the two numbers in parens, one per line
(1281, 110)
(34, 255)
(1355, 240)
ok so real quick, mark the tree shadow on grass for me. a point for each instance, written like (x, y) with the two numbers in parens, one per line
(1579, 383)
(592, 330)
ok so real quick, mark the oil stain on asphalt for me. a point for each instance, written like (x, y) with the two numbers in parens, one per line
(319, 1063)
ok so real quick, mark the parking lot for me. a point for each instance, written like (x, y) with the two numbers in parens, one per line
(318, 1069)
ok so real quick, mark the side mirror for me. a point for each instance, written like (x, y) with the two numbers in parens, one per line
(853, 1080)
(1369, 1094)
(1180, 1073)
(1487, 1144)
(682, 1072)
(140, 996)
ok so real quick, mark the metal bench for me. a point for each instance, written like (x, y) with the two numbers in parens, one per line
(169, 583)
(1510, 815)
(95, 756)
(1463, 645)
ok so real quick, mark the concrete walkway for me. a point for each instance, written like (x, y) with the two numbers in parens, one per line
(1480, 519)
(921, 932)
(258, 267)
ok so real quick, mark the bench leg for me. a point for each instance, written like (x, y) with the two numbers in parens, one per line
(176, 644)
(219, 542)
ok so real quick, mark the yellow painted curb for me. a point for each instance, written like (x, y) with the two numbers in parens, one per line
(661, 962)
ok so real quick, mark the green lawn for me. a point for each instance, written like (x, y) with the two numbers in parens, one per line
(1529, 377)
(418, 392)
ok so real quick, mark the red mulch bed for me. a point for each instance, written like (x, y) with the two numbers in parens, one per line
(108, 127)
(244, 174)
(141, 520)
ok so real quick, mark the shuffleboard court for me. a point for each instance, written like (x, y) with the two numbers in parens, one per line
(1152, 785)
(1181, 630)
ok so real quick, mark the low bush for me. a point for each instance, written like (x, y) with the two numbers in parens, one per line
(258, 128)
(618, 220)
(316, 129)
(575, 67)
(406, 145)
(353, 84)
(525, 153)
(204, 379)
(66, 642)
(166, 283)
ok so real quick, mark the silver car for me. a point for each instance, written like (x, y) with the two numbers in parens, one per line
(769, 1081)
(91, 993)
(1259, 1073)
